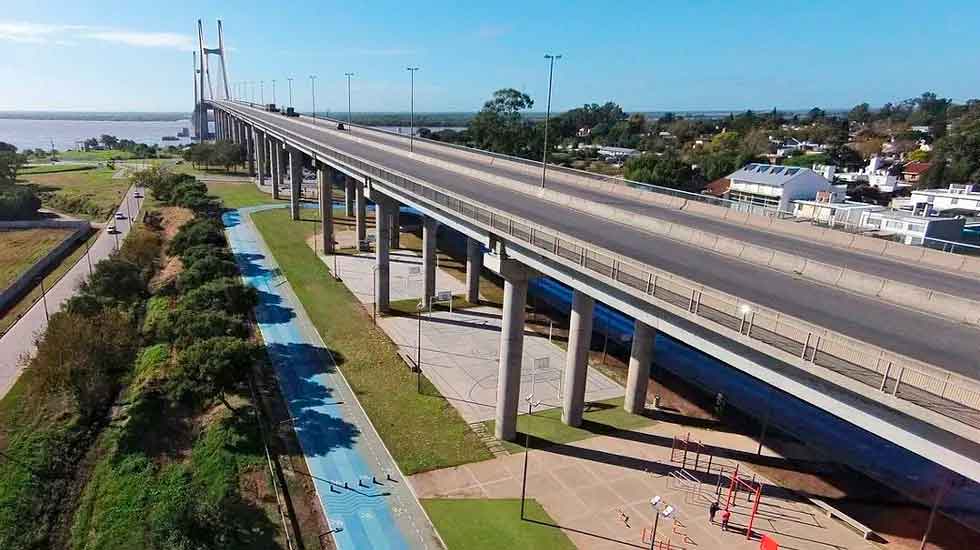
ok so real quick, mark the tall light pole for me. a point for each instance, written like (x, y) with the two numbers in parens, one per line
(313, 92)
(290, 82)
(411, 134)
(547, 117)
(348, 100)
(273, 91)
(262, 92)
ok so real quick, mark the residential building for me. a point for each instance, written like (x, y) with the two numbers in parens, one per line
(912, 172)
(964, 198)
(911, 229)
(847, 214)
(617, 153)
(776, 186)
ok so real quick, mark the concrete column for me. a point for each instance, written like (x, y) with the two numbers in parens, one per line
(382, 206)
(474, 265)
(429, 228)
(326, 206)
(349, 196)
(260, 155)
(511, 352)
(394, 223)
(641, 356)
(280, 153)
(577, 359)
(295, 181)
(360, 223)
(250, 149)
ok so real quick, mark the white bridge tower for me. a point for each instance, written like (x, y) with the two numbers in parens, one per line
(202, 74)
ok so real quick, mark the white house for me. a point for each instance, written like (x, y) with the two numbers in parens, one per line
(847, 214)
(775, 186)
(911, 229)
(961, 197)
(617, 153)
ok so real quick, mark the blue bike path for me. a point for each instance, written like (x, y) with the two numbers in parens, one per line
(366, 500)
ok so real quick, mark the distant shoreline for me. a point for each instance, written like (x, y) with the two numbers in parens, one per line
(95, 116)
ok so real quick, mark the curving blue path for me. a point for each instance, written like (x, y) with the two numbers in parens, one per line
(339, 444)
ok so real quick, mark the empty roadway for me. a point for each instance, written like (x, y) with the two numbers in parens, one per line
(930, 339)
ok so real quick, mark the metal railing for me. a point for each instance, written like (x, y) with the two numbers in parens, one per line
(899, 376)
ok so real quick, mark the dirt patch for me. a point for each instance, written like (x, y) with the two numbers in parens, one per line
(172, 267)
(173, 218)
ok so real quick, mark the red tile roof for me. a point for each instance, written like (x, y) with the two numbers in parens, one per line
(718, 187)
(915, 168)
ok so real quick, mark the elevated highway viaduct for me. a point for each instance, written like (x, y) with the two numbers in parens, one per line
(904, 372)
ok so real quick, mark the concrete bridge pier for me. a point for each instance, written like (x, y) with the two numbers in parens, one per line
(260, 155)
(275, 148)
(577, 358)
(394, 222)
(474, 265)
(323, 179)
(295, 181)
(515, 278)
(360, 207)
(383, 206)
(250, 149)
(429, 228)
(638, 376)
(349, 193)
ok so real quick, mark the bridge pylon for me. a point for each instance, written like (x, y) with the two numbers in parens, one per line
(202, 74)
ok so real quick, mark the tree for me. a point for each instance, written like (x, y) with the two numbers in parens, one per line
(816, 113)
(18, 203)
(10, 163)
(212, 368)
(956, 157)
(226, 294)
(499, 126)
(110, 142)
(668, 170)
(860, 113)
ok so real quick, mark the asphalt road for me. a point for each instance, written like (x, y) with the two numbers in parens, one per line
(924, 277)
(931, 339)
(18, 342)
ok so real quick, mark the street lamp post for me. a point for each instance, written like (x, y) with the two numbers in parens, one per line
(348, 100)
(262, 92)
(418, 353)
(289, 81)
(531, 403)
(547, 117)
(313, 92)
(411, 134)
(273, 91)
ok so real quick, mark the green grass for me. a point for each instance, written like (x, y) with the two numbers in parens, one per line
(111, 154)
(475, 524)
(54, 169)
(90, 194)
(22, 248)
(601, 417)
(422, 431)
(239, 195)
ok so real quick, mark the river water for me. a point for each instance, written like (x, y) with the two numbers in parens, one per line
(31, 134)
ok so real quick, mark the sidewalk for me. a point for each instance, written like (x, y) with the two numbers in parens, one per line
(598, 491)
(460, 349)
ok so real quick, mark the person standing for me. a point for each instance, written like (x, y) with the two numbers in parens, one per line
(712, 510)
(725, 516)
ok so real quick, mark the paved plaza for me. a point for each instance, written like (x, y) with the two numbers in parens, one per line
(598, 492)
(460, 348)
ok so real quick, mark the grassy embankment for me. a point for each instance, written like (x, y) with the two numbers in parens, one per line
(54, 169)
(422, 431)
(109, 154)
(239, 195)
(90, 194)
(493, 523)
(22, 248)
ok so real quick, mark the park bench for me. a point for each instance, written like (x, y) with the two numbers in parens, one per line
(832, 512)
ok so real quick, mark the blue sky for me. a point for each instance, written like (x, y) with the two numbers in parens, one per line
(645, 55)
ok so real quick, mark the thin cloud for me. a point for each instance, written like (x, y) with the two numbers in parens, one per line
(145, 39)
(68, 35)
(382, 51)
(33, 33)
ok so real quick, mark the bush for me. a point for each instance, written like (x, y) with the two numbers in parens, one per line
(211, 368)
(18, 203)
(204, 270)
(227, 294)
(185, 326)
(200, 231)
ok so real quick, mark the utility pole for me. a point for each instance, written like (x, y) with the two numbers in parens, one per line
(313, 92)
(411, 134)
(348, 100)
(289, 81)
(273, 91)
(547, 117)
(262, 92)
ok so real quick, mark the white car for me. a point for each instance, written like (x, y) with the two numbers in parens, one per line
(111, 228)
(120, 216)
(137, 195)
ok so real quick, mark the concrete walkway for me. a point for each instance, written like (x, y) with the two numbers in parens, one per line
(598, 491)
(460, 349)
(17, 345)
(367, 501)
